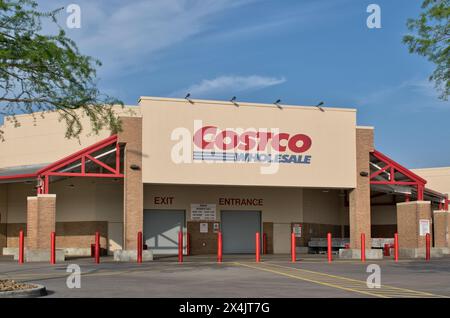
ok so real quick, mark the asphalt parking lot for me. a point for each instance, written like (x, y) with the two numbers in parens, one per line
(237, 276)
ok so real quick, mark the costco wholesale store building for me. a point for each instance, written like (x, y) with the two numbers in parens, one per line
(204, 166)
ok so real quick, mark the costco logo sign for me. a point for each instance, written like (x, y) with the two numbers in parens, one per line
(271, 146)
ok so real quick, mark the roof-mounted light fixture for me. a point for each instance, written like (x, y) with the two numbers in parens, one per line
(187, 97)
(318, 106)
(277, 103)
(233, 101)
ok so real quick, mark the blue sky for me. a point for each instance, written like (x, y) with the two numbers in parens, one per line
(301, 51)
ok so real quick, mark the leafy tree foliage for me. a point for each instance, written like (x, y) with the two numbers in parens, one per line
(42, 73)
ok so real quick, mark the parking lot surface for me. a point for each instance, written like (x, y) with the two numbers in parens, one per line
(237, 276)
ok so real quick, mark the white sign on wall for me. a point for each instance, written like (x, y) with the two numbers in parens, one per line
(203, 227)
(203, 212)
(424, 227)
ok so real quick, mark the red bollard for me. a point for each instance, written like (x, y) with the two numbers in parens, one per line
(139, 247)
(21, 247)
(293, 252)
(428, 246)
(53, 248)
(330, 255)
(396, 247)
(180, 247)
(97, 247)
(386, 250)
(264, 251)
(219, 247)
(258, 248)
(188, 244)
(363, 247)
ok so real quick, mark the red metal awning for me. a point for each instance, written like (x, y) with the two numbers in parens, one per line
(385, 171)
(100, 160)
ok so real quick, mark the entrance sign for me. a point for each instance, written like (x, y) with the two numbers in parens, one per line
(203, 212)
(424, 227)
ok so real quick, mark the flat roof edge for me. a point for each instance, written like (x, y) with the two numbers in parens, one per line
(222, 102)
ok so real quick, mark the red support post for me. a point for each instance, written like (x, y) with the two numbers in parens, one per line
(21, 247)
(264, 249)
(420, 192)
(53, 248)
(97, 247)
(180, 247)
(363, 247)
(139, 247)
(293, 252)
(258, 248)
(329, 249)
(219, 247)
(428, 246)
(396, 247)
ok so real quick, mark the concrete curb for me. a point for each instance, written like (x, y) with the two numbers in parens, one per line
(38, 291)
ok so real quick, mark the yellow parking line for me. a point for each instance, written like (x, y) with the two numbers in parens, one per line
(355, 280)
(312, 281)
(341, 282)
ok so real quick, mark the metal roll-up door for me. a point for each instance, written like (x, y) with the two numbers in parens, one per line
(238, 231)
(161, 228)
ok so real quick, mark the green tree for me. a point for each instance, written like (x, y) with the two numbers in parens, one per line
(42, 73)
(432, 40)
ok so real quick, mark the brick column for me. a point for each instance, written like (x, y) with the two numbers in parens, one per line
(359, 198)
(131, 135)
(441, 228)
(409, 215)
(41, 219)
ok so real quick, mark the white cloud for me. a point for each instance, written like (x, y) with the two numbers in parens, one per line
(230, 84)
(420, 94)
(128, 35)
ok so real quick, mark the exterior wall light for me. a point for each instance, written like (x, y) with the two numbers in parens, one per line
(135, 167)
(364, 174)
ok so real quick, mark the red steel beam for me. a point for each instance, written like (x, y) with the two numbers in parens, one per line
(19, 176)
(398, 167)
(77, 155)
(78, 174)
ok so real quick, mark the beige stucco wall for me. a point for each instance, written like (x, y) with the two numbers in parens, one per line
(280, 205)
(41, 140)
(384, 214)
(77, 200)
(322, 206)
(332, 133)
(438, 179)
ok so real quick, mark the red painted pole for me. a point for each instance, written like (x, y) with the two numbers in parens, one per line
(428, 246)
(139, 247)
(180, 247)
(264, 244)
(97, 247)
(363, 247)
(21, 247)
(53, 248)
(396, 247)
(330, 255)
(293, 253)
(258, 248)
(219, 247)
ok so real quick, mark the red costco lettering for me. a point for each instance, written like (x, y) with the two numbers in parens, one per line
(210, 137)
